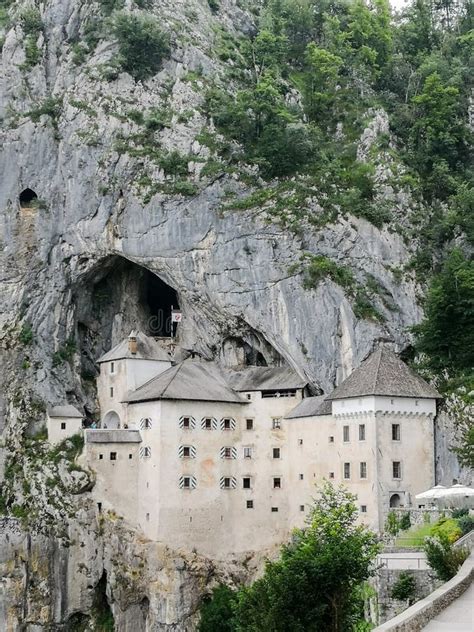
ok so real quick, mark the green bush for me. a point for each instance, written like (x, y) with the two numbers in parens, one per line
(26, 334)
(30, 20)
(217, 611)
(214, 5)
(392, 525)
(448, 527)
(458, 513)
(405, 522)
(142, 44)
(466, 524)
(442, 557)
(404, 588)
(321, 267)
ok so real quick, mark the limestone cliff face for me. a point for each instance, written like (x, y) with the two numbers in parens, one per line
(73, 274)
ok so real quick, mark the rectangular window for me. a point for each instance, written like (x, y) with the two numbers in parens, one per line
(276, 482)
(276, 423)
(331, 439)
(395, 432)
(227, 453)
(246, 482)
(361, 432)
(101, 456)
(247, 453)
(111, 391)
(301, 507)
(112, 367)
(186, 422)
(363, 509)
(249, 396)
(345, 434)
(300, 441)
(331, 474)
(113, 456)
(363, 469)
(147, 517)
(301, 477)
(208, 423)
(249, 424)
(130, 456)
(186, 482)
(63, 425)
(249, 504)
(347, 470)
(274, 509)
(227, 424)
(276, 453)
(226, 483)
(186, 451)
(397, 469)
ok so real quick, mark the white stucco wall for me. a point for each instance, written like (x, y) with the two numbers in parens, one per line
(384, 404)
(56, 433)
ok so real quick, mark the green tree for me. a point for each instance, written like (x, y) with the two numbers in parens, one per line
(320, 81)
(405, 587)
(315, 584)
(217, 612)
(446, 334)
(442, 557)
(142, 44)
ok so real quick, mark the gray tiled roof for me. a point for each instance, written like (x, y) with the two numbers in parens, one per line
(383, 373)
(116, 435)
(262, 378)
(147, 349)
(311, 407)
(189, 380)
(65, 411)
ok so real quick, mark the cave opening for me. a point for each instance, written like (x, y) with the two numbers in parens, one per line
(27, 198)
(114, 298)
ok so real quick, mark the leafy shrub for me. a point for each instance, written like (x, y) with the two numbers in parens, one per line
(321, 267)
(392, 525)
(217, 611)
(458, 513)
(26, 334)
(466, 524)
(30, 20)
(404, 588)
(142, 44)
(448, 527)
(405, 522)
(442, 557)
(214, 5)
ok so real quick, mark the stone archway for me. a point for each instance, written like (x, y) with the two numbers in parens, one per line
(111, 420)
(395, 500)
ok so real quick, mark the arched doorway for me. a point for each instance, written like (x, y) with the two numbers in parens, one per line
(111, 420)
(27, 198)
(395, 500)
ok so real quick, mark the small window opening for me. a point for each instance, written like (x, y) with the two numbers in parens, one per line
(249, 504)
(274, 509)
(300, 441)
(331, 439)
(99, 507)
(331, 474)
(249, 396)
(147, 517)
(227, 424)
(186, 422)
(397, 469)
(246, 482)
(361, 432)
(249, 424)
(301, 507)
(186, 482)
(276, 482)
(226, 483)
(395, 432)
(276, 423)
(347, 470)
(345, 434)
(363, 508)
(186, 451)
(111, 391)
(276, 453)
(208, 423)
(130, 456)
(112, 367)
(247, 453)
(301, 477)
(113, 456)
(63, 425)
(101, 456)
(363, 469)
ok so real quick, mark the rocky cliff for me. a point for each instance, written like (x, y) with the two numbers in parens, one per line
(112, 194)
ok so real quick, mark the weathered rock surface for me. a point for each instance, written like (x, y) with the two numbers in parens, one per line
(230, 271)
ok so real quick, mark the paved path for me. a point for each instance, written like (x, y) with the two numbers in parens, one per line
(458, 617)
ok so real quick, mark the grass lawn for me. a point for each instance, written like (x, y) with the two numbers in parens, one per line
(414, 537)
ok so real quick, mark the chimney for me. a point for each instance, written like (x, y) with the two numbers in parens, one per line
(132, 342)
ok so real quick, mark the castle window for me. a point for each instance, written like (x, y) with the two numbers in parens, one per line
(147, 517)
(112, 367)
(145, 423)
(249, 396)
(331, 439)
(276, 453)
(300, 441)
(363, 509)
(331, 474)
(228, 482)
(276, 423)
(130, 456)
(113, 456)
(301, 507)
(187, 423)
(209, 423)
(111, 391)
(345, 434)
(396, 469)
(301, 477)
(276, 482)
(63, 425)
(363, 469)
(347, 470)
(395, 432)
(274, 509)
(145, 452)
(246, 482)
(187, 452)
(99, 507)
(228, 452)
(187, 482)
(249, 504)
(101, 456)
(227, 423)
(249, 424)
(247, 453)
(361, 432)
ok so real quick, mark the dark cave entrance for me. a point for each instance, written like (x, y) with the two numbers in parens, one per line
(27, 198)
(113, 298)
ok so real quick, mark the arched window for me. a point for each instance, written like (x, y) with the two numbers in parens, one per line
(27, 198)
(111, 420)
(395, 500)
